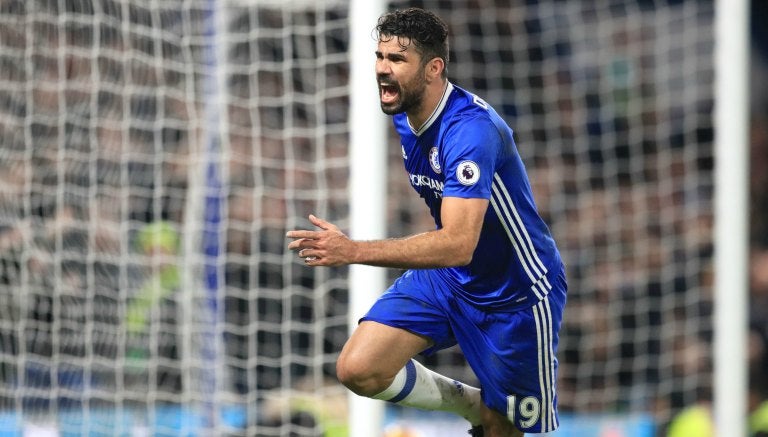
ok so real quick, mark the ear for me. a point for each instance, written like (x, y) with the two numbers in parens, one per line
(434, 69)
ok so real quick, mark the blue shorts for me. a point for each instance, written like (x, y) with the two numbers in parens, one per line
(511, 353)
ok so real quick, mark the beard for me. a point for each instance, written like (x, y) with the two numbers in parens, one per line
(409, 95)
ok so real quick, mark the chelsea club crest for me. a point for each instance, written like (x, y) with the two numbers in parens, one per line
(434, 161)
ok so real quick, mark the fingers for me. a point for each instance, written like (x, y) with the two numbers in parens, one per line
(302, 235)
(305, 248)
(296, 244)
(303, 243)
(307, 255)
(308, 243)
(320, 223)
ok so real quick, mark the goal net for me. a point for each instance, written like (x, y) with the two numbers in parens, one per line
(154, 153)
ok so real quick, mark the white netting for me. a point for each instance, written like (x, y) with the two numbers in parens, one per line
(107, 320)
(115, 317)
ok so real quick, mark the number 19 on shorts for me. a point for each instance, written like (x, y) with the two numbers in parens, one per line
(529, 410)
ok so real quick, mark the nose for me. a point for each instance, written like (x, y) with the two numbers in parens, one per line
(383, 67)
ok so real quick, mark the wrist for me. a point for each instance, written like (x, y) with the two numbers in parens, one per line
(356, 255)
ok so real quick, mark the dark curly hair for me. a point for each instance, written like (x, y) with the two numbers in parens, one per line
(425, 30)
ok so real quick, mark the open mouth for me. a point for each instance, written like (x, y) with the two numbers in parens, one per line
(388, 92)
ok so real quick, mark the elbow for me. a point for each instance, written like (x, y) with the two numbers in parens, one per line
(462, 257)
(463, 262)
(458, 250)
(452, 258)
(460, 253)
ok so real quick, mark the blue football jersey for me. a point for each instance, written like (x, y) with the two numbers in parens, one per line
(466, 150)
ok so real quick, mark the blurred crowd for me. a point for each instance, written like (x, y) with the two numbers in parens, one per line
(110, 173)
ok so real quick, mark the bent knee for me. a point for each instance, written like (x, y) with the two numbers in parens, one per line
(361, 376)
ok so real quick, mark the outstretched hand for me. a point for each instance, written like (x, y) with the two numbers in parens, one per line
(325, 247)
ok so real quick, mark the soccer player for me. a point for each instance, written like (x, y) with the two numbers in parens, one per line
(488, 277)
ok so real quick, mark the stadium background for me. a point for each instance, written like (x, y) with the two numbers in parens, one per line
(112, 319)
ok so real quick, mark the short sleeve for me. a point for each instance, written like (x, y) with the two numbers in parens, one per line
(469, 155)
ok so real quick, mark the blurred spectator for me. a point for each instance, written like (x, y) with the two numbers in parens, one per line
(758, 421)
(693, 421)
(153, 312)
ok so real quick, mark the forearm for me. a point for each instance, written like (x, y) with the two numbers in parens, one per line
(421, 251)
(450, 246)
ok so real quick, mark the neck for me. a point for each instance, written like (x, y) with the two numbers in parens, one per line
(432, 95)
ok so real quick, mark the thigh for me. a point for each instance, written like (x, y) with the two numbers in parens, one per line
(513, 356)
(412, 304)
(382, 349)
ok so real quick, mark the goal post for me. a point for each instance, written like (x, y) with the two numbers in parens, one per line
(368, 187)
(731, 212)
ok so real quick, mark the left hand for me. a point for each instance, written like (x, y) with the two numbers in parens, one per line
(326, 247)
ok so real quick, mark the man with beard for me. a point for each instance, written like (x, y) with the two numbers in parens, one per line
(488, 277)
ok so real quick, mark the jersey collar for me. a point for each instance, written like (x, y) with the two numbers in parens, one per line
(436, 113)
